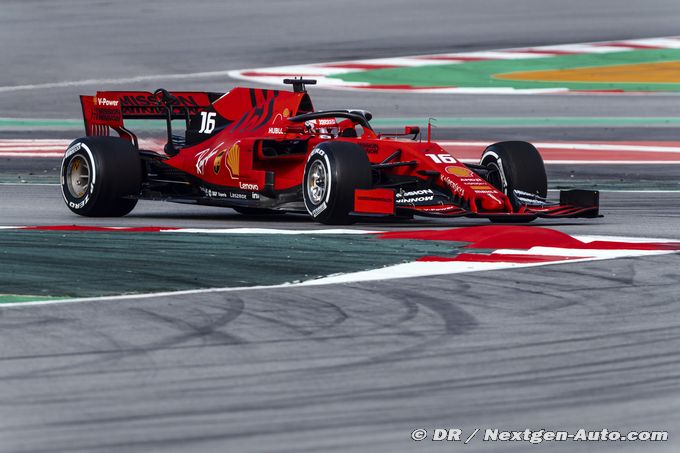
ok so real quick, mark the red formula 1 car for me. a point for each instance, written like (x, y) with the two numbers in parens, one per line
(257, 151)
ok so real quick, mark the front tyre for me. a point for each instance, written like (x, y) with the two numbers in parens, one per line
(332, 173)
(515, 167)
(101, 177)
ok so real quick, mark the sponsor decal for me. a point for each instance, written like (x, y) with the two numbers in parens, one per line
(202, 157)
(321, 125)
(213, 193)
(106, 115)
(106, 102)
(73, 149)
(140, 103)
(415, 192)
(370, 148)
(438, 208)
(318, 151)
(381, 199)
(208, 192)
(374, 201)
(106, 111)
(80, 204)
(455, 187)
(286, 113)
(414, 200)
(481, 187)
(276, 130)
(217, 163)
(233, 158)
(248, 186)
(321, 208)
(458, 171)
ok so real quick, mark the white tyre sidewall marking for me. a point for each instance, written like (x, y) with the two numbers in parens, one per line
(499, 161)
(93, 170)
(329, 179)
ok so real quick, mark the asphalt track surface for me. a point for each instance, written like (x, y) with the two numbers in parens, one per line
(352, 367)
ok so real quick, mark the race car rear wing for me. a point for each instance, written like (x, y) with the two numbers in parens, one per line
(107, 109)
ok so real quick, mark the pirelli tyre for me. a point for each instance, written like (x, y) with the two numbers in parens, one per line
(332, 173)
(515, 167)
(101, 177)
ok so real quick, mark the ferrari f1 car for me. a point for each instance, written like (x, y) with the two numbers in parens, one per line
(263, 151)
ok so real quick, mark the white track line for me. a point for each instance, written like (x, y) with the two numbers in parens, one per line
(111, 81)
(429, 268)
(28, 184)
(665, 43)
(277, 231)
(268, 231)
(399, 271)
(595, 162)
(272, 75)
(579, 146)
(671, 42)
(31, 148)
(29, 154)
(634, 191)
(597, 237)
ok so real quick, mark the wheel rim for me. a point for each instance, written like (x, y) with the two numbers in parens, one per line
(494, 176)
(316, 182)
(78, 176)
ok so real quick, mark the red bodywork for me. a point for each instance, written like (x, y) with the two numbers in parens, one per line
(243, 148)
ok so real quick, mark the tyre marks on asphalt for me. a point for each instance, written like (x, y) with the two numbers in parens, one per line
(495, 349)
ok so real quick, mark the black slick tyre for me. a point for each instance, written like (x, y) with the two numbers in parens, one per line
(515, 166)
(332, 173)
(101, 177)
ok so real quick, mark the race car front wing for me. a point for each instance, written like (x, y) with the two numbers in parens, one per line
(572, 203)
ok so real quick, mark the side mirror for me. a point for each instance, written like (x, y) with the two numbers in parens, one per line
(411, 130)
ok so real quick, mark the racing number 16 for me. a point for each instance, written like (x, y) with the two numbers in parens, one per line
(207, 122)
(442, 158)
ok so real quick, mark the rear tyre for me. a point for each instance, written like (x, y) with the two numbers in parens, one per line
(332, 173)
(101, 177)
